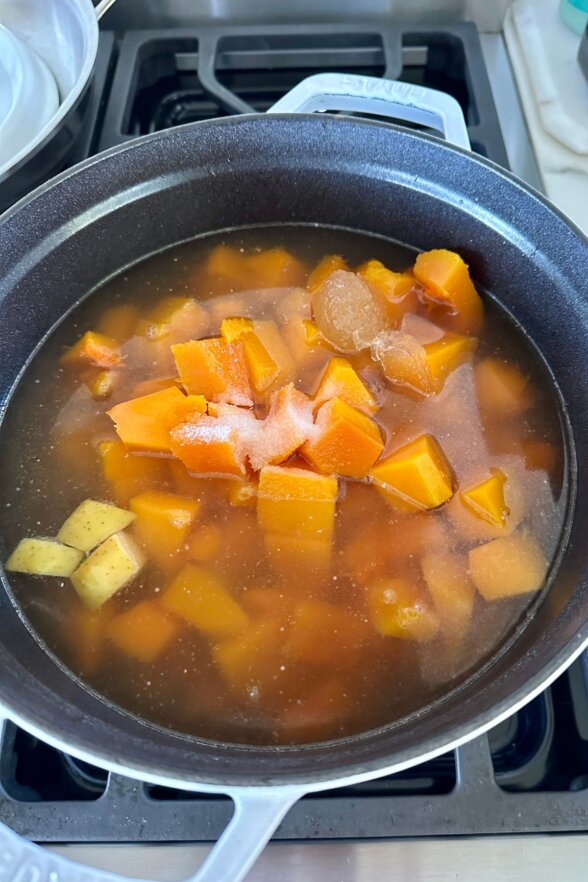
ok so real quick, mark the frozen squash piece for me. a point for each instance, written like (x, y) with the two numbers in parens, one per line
(144, 632)
(403, 360)
(451, 589)
(397, 289)
(215, 445)
(119, 322)
(109, 568)
(486, 499)
(94, 349)
(86, 633)
(445, 355)
(417, 476)
(446, 279)
(127, 473)
(299, 558)
(163, 523)
(325, 268)
(276, 268)
(502, 389)
(508, 566)
(326, 635)
(340, 380)
(92, 522)
(252, 657)
(470, 526)
(316, 712)
(399, 608)
(288, 424)
(43, 557)
(345, 442)
(144, 423)
(199, 597)
(347, 312)
(268, 359)
(205, 543)
(176, 318)
(214, 368)
(234, 327)
(100, 384)
(296, 501)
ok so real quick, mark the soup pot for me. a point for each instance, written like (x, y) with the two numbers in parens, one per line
(74, 232)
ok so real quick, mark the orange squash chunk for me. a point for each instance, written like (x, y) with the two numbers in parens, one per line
(398, 608)
(162, 525)
(287, 426)
(446, 279)
(502, 389)
(508, 566)
(307, 345)
(451, 590)
(146, 387)
(324, 634)
(268, 359)
(119, 322)
(445, 355)
(417, 476)
(143, 632)
(340, 380)
(317, 711)
(215, 445)
(270, 602)
(296, 501)
(251, 657)
(214, 368)
(94, 349)
(126, 473)
(87, 634)
(421, 367)
(205, 543)
(144, 423)
(486, 499)
(346, 441)
(299, 558)
(325, 268)
(199, 597)
(178, 317)
(275, 268)
(397, 289)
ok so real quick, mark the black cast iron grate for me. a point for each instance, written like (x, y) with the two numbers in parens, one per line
(530, 773)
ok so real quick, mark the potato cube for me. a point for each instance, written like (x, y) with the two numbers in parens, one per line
(508, 566)
(345, 442)
(341, 380)
(417, 476)
(399, 608)
(198, 596)
(92, 522)
(127, 473)
(486, 499)
(451, 590)
(446, 279)
(296, 501)
(163, 523)
(109, 568)
(43, 557)
(214, 368)
(144, 423)
(502, 390)
(144, 631)
(94, 349)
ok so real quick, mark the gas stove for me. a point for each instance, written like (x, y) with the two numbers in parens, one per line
(446, 817)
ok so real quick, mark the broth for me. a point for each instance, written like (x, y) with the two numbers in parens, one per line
(321, 655)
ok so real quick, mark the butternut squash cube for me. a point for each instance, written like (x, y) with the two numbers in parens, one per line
(86, 633)
(445, 355)
(296, 501)
(205, 543)
(275, 268)
(268, 359)
(144, 423)
(199, 597)
(119, 322)
(108, 568)
(324, 634)
(144, 632)
(451, 590)
(225, 262)
(234, 327)
(94, 349)
(399, 608)
(174, 317)
(508, 566)
(415, 477)
(250, 657)
(397, 289)
(340, 380)
(267, 602)
(242, 492)
(346, 442)
(502, 389)
(163, 523)
(211, 446)
(446, 279)
(486, 499)
(92, 522)
(43, 557)
(127, 473)
(299, 557)
(214, 368)
(325, 268)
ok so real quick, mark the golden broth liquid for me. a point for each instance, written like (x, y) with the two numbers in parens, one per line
(319, 680)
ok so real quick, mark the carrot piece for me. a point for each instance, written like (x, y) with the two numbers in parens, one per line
(205, 542)
(162, 525)
(214, 368)
(346, 442)
(180, 318)
(197, 596)
(128, 474)
(417, 476)
(87, 634)
(451, 590)
(295, 501)
(143, 632)
(252, 657)
(324, 634)
(317, 713)
(486, 499)
(340, 380)
(508, 566)
(397, 289)
(276, 268)
(144, 423)
(325, 268)
(93, 348)
(119, 322)
(502, 389)
(398, 608)
(446, 279)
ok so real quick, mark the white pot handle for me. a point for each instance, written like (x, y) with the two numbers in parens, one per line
(402, 101)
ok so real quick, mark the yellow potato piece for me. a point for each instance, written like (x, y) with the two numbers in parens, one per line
(508, 566)
(415, 477)
(92, 522)
(109, 568)
(43, 557)
(486, 499)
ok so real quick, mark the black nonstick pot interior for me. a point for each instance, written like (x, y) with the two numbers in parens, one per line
(116, 208)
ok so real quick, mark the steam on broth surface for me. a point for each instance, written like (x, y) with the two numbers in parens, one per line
(338, 500)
